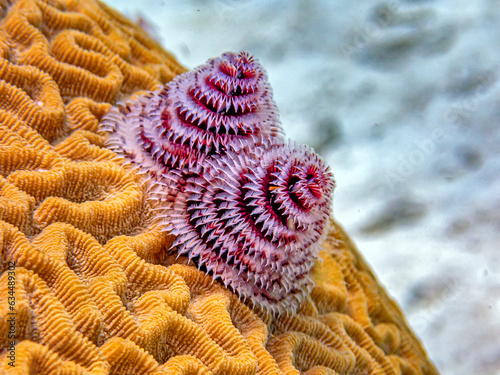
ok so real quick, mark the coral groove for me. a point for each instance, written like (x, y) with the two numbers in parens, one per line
(84, 262)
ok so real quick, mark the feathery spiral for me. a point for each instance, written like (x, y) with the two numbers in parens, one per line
(224, 104)
(255, 219)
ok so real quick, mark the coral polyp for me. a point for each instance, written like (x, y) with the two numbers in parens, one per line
(224, 104)
(255, 220)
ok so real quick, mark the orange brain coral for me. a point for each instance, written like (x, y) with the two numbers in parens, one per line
(86, 286)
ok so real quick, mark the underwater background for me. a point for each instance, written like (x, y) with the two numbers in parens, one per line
(402, 99)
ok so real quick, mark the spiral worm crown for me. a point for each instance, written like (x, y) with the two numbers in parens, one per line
(255, 220)
(224, 104)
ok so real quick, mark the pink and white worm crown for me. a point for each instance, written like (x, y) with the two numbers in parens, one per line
(255, 221)
(245, 204)
(225, 103)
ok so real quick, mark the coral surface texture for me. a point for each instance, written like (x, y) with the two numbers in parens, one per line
(86, 285)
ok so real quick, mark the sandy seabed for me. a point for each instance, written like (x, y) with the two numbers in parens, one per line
(402, 99)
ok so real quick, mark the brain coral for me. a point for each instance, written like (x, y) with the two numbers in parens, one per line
(86, 286)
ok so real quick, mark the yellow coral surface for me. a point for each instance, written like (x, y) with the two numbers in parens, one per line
(86, 285)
